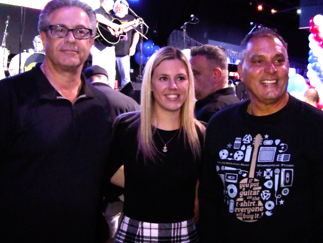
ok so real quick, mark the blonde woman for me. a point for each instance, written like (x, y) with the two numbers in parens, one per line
(156, 154)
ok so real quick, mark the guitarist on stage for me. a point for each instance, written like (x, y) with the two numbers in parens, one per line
(126, 47)
(103, 53)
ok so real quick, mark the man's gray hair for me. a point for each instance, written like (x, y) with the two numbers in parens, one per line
(43, 21)
(117, 2)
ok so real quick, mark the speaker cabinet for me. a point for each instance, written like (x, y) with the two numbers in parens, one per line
(132, 90)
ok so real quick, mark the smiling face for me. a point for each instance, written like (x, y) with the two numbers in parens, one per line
(169, 85)
(264, 69)
(121, 10)
(67, 53)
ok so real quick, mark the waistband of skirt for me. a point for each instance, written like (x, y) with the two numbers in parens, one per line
(183, 224)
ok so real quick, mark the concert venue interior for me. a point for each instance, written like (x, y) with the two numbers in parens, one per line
(223, 23)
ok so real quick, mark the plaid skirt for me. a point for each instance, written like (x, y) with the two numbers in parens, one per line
(131, 230)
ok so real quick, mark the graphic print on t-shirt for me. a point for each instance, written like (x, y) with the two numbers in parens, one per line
(256, 174)
(249, 191)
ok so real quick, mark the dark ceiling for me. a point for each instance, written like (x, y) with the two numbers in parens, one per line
(218, 18)
(221, 20)
(285, 17)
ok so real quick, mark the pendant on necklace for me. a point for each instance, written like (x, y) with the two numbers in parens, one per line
(165, 148)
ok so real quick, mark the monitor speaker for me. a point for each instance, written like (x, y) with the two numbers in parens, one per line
(133, 90)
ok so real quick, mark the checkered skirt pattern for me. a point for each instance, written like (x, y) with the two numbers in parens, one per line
(131, 231)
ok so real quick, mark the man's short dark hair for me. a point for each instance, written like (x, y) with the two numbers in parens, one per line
(211, 52)
(261, 32)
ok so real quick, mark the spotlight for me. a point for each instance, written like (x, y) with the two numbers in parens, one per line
(273, 11)
(259, 7)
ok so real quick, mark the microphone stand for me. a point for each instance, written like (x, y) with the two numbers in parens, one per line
(5, 33)
(255, 26)
(192, 21)
(22, 22)
(3, 45)
(142, 23)
(139, 78)
(184, 34)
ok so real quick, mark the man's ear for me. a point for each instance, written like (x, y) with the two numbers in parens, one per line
(217, 73)
(43, 37)
(240, 71)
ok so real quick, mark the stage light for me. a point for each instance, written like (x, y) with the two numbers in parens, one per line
(259, 7)
(273, 11)
(299, 11)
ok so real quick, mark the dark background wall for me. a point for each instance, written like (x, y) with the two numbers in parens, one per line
(226, 21)
(14, 27)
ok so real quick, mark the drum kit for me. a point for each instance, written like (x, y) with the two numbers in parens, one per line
(27, 59)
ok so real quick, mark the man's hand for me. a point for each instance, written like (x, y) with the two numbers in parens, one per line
(115, 27)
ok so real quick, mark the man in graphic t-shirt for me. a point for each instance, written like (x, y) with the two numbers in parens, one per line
(263, 160)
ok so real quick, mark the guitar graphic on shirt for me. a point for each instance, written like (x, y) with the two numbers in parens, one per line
(249, 207)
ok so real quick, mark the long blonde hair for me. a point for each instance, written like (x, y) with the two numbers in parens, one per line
(189, 124)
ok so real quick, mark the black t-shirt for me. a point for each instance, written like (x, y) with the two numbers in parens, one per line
(262, 176)
(100, 42)
(159, 191)
(122, 48)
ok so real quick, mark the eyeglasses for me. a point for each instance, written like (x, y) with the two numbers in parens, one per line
(59, 31)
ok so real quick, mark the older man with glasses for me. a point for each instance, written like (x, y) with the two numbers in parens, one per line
(54, 137)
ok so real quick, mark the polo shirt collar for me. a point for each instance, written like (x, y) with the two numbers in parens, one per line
(48, 92)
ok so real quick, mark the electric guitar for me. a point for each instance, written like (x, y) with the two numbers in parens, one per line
(107, 36)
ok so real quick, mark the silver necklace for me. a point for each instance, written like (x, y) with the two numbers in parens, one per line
(165, 144)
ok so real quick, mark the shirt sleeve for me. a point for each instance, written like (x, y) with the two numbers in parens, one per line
(111, 191)
(316, 167)
(115, 160)
(6, 107)
(210, 196)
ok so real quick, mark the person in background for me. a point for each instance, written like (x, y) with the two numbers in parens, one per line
(103, 50)
(241, 91)
(263, 164)
(312, 97)
(53, 159)
(210, 69)
(163, 142)
(126, 47)
(119, 102)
